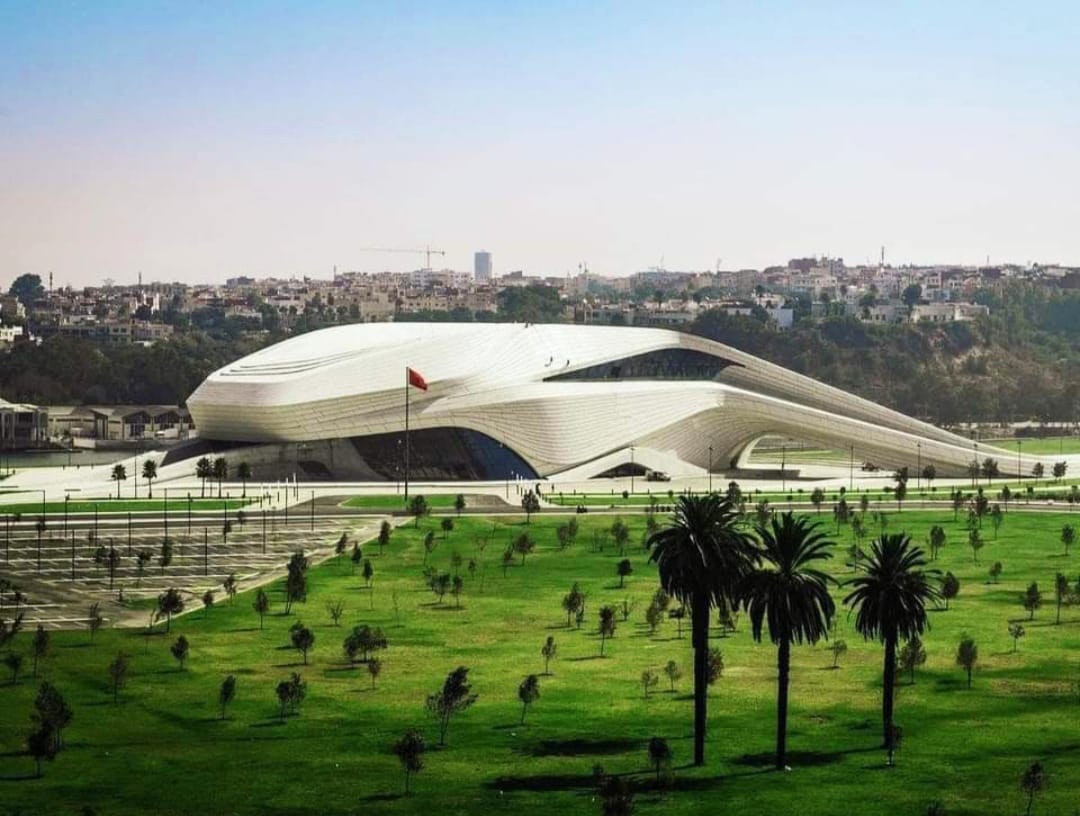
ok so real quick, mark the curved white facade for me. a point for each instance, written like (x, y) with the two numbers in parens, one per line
(559, 396)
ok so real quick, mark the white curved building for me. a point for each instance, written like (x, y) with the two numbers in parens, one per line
(536, 401)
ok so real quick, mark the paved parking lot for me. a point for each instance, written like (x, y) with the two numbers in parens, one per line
(58, 592)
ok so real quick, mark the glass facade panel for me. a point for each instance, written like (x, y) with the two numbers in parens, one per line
(665, 364)
(442, 453)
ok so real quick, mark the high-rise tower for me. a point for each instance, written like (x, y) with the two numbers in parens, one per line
(482, 266)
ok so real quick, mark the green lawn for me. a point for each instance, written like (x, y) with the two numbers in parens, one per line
(123, 506)
(1037, 446)
(396, 502)
(795, 456)
(164, 744)
(1042, 446)
(1058, 490)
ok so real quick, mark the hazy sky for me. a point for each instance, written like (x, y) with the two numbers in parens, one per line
(198, 140)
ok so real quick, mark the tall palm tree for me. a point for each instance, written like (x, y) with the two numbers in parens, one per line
(791, 595)
(149, 472)
(890, 601)
(702, 560)
(203, 471)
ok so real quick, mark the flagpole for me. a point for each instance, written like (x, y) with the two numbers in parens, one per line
(406, 434)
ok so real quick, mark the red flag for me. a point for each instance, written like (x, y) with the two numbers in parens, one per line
(416, 380)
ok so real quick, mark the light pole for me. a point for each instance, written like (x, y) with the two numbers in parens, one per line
(918, 467)
(710, 468)
(631, 469)
(1019, 471)
(851, 470)
(783, 470)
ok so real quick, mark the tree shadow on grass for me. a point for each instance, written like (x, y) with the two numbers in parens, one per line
(277, 722)
(542, 783)
(382, 797)
(342, 668)
(805, 759)
(19, 778)
(583, 747)
(958, 683)
(584, 658)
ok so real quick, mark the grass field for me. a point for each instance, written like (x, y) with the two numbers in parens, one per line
(1036, 446)
(1058, 490)
(122, 506)
(396, 502)
(1040, 446)
(164, 744)
(795, 456)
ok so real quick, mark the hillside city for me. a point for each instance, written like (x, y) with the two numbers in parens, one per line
(802, 289)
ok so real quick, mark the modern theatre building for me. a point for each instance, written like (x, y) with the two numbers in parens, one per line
(535, 401)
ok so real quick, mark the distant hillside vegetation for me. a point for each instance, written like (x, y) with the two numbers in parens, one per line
(1020, 363)
(1000, 368)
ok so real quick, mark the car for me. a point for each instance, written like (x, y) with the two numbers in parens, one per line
(657, 476)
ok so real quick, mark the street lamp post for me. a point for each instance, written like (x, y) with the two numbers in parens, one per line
(851, 470)
(631, 469)
(710, 468)
(918, 467)
(1019, 467)
(783, 468)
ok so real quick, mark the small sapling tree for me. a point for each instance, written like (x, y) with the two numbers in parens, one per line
(410, 753)
(548, 652)
(226, 693)
(453, 698)
(528, 693)
(967, 656)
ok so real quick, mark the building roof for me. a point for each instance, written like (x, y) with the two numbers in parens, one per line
(502, 380)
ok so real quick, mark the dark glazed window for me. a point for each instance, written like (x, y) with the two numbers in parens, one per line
(665, 364)
(442, 453)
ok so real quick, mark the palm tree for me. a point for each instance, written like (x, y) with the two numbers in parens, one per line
(119, 474)
(792, 596)
(702, 559)
(243, 473)
(890, 600)
(220, 472)
(203, 471)
(149, 472)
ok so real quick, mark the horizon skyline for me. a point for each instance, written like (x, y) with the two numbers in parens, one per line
(276, 140)
(318, 276)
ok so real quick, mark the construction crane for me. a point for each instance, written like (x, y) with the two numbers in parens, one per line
(427, 252)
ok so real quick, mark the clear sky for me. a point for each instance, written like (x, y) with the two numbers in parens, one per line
(198, 140)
